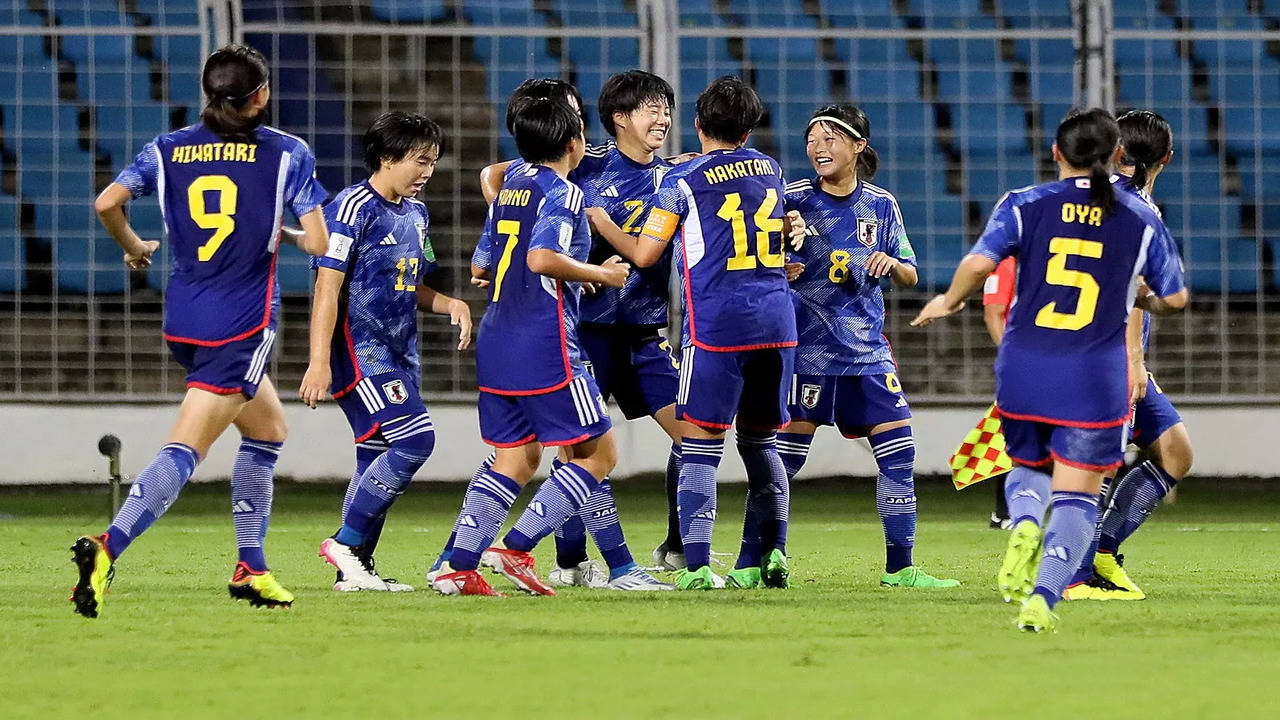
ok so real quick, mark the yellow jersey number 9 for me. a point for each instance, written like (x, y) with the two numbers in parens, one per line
(222, 220)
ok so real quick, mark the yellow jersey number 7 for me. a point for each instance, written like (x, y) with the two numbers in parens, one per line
(511, 229)
(221, 220)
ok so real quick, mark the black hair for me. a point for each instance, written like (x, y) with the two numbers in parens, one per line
(627, 91)
(543, 128)
(1147, 140)
(231, 76)
(868, 160)
(729, 109)
(1088, 140)
(395, 134)
(544, 88)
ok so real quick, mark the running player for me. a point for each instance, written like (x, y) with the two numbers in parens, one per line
(224, 184)
(1061, 373)
(845, 371)
(370, 283)
(534, 388)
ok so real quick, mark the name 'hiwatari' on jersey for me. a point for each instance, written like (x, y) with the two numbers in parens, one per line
(1063, 357)
(730, 255)
(385, 252)
(223, 202)
(839, 306)
(528, 339)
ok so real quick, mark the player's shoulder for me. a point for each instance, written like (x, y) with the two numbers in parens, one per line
(351, 204)
(287, 140)
(557, 192)
(1140, 206)
(878, 196)
(180, 136)
(1028, 194)
(798, 191)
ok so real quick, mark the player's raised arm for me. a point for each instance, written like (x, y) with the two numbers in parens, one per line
(491, 179)
(612, 272)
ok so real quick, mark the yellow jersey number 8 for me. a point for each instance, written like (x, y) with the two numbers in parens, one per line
(732, 211)
(222, 220)
(1057, 274)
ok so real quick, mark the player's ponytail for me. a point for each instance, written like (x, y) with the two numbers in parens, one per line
(1147, 140)
(231, 77)
(850, 121)
(1087, 140)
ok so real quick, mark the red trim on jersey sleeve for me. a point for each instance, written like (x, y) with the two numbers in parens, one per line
(1006, 276)
(1065, 423)
(213, 388)
(531, 437)
(1086, 466)
(266, 317)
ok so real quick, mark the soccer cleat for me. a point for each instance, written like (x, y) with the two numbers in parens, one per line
(442, 567)
(1000, 523)
(357, 571)
(914, 577)
(700, 579)
(393, 585)
(665, 559)
(637, 580)
(463, 582)
(1111, 567)
(1097, 588)
(89, 554)
(588, 574)
(1021, 562)
(518, 567)
(1036, 616)
(260, 589)
(747, 578)
(774, 571)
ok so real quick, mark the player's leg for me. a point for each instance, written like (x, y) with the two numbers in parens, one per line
(1086, 584)
(1000, 519)
(441, 564)
(669, 555)
(1028, 491)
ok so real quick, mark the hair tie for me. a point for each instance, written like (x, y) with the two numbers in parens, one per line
(836, 121)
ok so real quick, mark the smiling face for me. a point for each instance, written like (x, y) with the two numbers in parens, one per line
(833, 153)
(407, 176)
(647, 124)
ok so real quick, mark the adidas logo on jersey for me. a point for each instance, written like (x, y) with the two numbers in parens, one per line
(388, 240)
(241, 506)
(538, 508)
(610, 191)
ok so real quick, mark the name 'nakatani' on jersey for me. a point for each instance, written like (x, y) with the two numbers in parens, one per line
(839, 306)
(1063, 359)
(728, 205)
(384, 251)
(222, 203)
(528, 338)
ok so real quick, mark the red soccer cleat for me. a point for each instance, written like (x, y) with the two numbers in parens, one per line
(517, 567)
(463, 582)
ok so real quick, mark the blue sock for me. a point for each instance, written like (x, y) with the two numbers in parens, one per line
(155, 489)
(600, 513)
(1026, 490)
(895, 452)
(412, 440)
(485, 467)
(697, 497)
(793, 448)
(1070, 528)
(1085, 571)
(561, 496)
(768, 495)
(252, 483)
(571, 537)
(366, 453)
(488, 500)
(673, 541)
(1137, 495)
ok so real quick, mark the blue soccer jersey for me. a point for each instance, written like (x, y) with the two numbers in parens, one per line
(528, 338)
(1124, 182)
(1063, 358)
(839, 306)
(384, 250)
(729, 206)
(222, 204)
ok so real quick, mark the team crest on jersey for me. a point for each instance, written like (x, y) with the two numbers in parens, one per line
(395, 391)
(809, 395)
(867, 231)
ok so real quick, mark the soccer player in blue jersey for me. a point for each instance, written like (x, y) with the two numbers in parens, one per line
(223, 184)
(845, 371)
(534, 389)
(739, 327)
(1062, 385)
(370, 283)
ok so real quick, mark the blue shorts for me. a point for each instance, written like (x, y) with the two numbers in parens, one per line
(748, 385)
(377, 399)
(575, 413)
(853, 403)
(1152, 416)
(633, 365)
(236, 367)
(1030, 442)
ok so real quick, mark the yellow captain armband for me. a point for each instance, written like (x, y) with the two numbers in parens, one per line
(661, 224)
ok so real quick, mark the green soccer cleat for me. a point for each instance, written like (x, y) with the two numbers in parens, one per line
(1021, 562)
(1036, 616)
(89, 554)
(774, 571)
(260, 589)
(914, 577)
(700, 579)
(747, 578)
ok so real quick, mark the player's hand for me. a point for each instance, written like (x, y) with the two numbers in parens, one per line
(793, 270)
(460, 316)
(1144, 295)
(683, 158)
(481, 283)
(598, 217)
(936, 309)
(615, 272)
(315, 384)
(590, 288)
(1137, 380)
(142, 258)
(796, 233)
(880, 264)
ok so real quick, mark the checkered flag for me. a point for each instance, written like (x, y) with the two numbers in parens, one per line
(981, 455)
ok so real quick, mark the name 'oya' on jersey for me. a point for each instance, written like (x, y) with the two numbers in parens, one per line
(528, 339)
(839, 306)
(730, 252)
(223, 230)
(1063, 357)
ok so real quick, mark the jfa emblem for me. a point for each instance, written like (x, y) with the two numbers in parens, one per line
(395, 391)
(867, 231)
(422, 234)
(809, 395)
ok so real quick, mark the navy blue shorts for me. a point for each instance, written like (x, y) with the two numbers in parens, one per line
(377, 399)
(748, 385)
(1031, 442)
(633, 365)
(575, 413)
(236, 367)
(1152, 416)
(853, 403)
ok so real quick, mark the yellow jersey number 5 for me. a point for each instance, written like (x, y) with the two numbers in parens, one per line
(1057, 274)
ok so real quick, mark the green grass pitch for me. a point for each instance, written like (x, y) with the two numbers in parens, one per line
(171, 644)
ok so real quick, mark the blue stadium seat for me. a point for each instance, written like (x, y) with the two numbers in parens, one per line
(939, 254)
(184, 89)
(1036, 13)
(936, 12)
(806, 84)
(138, 123)
(163, 12)
(1182, 189)
(1260, 182)
(410, 11)
(881, 84)
(80, 12)
(1217, 263)
(1233, 53)
(117, 86)
(293, 271)
(860, 13)
(29, 48)
(1190, 127)
(700, 13)
(610, 54)
(1245, 130)
(986, 130)
(502, 12)
(986, 179)
(955, 52)
(43, 128)
(1167, 85)
(1045, 53)
(995, 85)
(98, 50)
(13, 248)
(901, 131)
(771, 51)
(1243, 86)
(772, 13)
(698, 50)
(594, 13)
(873, 52)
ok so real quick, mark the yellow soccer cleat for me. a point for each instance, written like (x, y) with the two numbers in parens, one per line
(1017, 576)
(1111, 568)
(96, 572)
(260, 589)
(1036, 616)
(1098, 588)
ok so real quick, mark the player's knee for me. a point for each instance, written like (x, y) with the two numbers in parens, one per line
(274, 429)
(418, 446)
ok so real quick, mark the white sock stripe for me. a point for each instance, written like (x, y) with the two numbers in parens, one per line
(274, 449)
(757, 441)
(575, 485)
(802, 448)
(181, 448)
(893, 446)
(494, 487)
(1068, 495)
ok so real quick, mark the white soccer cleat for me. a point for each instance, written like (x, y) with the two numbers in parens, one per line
(637, 580)
(440, 568)
(394, 585)
(588, 574)
(357, 575)
(667, 560)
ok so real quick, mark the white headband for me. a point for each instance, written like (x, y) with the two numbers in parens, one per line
(837, 121)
